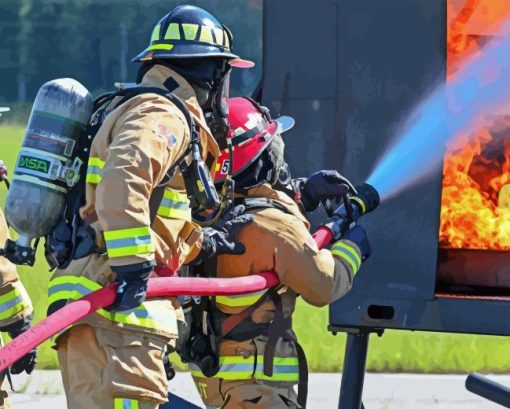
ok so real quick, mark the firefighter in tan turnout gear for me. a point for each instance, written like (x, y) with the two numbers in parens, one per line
(260, 360)
(16, 310)
(114, 358)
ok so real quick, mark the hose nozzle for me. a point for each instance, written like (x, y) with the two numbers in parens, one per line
(367, 198)
(352, 209)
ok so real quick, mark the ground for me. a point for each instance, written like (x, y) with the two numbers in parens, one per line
(395, 352)
(382, 391)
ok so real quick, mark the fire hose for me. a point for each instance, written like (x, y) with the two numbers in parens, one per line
(340, 220)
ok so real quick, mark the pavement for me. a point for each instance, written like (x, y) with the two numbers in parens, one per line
(43, 390)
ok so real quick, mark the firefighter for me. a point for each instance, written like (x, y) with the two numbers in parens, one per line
(113, 359)
(260, 360)
(16, 310)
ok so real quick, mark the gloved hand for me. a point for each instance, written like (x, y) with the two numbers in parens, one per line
(219, 238)
(132, 287)
(359, 237)
(28, 361)
(322, 185)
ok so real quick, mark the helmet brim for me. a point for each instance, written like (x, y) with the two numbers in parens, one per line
(285, 123)
(240, 63)
(182, 50)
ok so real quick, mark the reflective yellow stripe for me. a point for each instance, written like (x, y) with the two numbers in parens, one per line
(95, 161)
(127, 233)
(13, 302)
(173, 33)
(94, 170)
(160, 47)
(175, 205)
(156, 33)
(128, 242)
(93, 179)
(348, 254)
(243, 300)
(206, 35)
(190, 31)
(285, 369)
(120, 403)
(74, 287)
(218, 33)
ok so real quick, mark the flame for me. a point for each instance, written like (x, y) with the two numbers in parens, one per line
(475, 203)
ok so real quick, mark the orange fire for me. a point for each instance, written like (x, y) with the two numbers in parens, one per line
(475, 204)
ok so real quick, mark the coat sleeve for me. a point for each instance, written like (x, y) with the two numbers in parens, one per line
(14, 301)
(320, 276)
(145, 143)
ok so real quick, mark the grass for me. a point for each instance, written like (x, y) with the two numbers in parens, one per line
(395, 351)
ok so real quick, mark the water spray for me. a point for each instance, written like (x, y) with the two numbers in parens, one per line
(478, 89)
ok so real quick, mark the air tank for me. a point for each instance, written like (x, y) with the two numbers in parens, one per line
(48, 164)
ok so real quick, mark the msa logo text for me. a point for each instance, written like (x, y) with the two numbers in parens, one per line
(39, 165)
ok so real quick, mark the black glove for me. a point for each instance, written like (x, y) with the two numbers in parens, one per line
(27, 362)
(219, 238)
(132, 284)
(359, 237)
(322, 185)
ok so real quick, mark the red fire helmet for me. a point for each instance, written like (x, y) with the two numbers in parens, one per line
(251, 131)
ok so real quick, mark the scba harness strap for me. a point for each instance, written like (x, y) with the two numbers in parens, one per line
(239, 327)
(73, 238)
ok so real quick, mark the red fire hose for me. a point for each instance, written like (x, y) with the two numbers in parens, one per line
(158, 287)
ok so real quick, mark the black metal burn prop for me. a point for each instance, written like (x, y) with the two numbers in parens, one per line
(350, 76)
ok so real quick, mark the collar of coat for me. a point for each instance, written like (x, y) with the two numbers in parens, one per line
(268, 192)
(157, 76)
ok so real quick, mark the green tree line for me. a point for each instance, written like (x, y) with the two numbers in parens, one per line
(93, 41)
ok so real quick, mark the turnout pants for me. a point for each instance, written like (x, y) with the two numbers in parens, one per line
(108, 369)
(219, 393)
(244, 360)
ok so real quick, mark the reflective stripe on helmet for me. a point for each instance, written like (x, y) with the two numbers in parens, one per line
(218, 35)
(160, 47)
(347, 253)
(206, 35)
(237, 368)
(120, 403)
(175, 205)
(74, 287)
(242, 300)
(156, 33)
(173, 32)
(94, 170)
(190, 31)
(128, 242)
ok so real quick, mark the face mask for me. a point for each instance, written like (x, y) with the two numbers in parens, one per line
(216, 107)
(210, 79)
